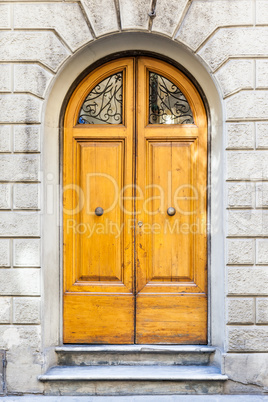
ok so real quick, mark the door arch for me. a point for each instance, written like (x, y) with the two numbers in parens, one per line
(135, 273)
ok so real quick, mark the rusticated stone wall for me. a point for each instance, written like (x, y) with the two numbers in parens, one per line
(229, 37)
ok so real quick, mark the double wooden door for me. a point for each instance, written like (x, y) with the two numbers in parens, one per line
(134, 203)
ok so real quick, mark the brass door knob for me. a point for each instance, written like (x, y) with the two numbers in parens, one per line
(171, 211)
(99, 211)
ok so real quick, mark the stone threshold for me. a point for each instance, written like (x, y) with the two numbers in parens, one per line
(136, 348)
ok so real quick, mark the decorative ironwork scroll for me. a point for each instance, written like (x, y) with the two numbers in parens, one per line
(167, 104)
(103, 105)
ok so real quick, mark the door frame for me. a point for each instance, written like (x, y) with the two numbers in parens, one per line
(60, 90)
(121, 55)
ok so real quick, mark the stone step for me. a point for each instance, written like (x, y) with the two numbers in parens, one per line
(132, 380)
(86, 355)
(123, 373)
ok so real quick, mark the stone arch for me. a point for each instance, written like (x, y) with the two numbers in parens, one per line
(51, 118)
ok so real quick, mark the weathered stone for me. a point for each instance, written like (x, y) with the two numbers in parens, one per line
(236, 75)
(20, 282)
(134, 15)
(247, 105)
(23, 377)
(2, 369)
(44, 47)
(5, 138)
(262, 311)
(168, 14)
(250, 339)
(36, 43)
(262, 73)
(109, 388)
(261, 12)
(26, 310)
(19, 224)
(95, 9)
(241, 195)
(228, 42)
(20, 108)
(247, 368)
(4, 253)
(31, 78)
(247, 165)
(240, 390)
(240, 252)
(248, 223)
(205, 16)
(262, 135)
(21, 337)
(5, 196)
(240, 311)
(64, 17)
(247, 281)
(262, 195)
(134, 355)
(26, 138)
(26, 196)
(240, 135)
(262, 251)
(19, 167)
(5, 310)
(4, 16)
(5, 75)
(26, 252)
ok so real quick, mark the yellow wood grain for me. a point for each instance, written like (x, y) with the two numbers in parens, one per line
(95, 319)
(98, 266)
(170, 261)
(171, 264)
(171, 319)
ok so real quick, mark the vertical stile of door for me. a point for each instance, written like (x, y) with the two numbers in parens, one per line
(171, 301)
(98, 265)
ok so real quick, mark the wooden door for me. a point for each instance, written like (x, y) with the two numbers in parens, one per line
(171, 301)
(98, 250)
(132, 272)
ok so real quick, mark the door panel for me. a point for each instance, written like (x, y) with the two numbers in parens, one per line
(90, 318)
(171, 319)
(135, 273)
(171, 250)
(101, 173)
(98, 250)
(170, 169)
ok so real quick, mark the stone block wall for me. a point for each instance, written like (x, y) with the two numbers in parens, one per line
(230, 38)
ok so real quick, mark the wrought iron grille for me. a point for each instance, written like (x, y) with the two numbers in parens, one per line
(103, 105)
(167, 104)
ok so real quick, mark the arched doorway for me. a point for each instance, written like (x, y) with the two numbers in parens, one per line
(135, 178)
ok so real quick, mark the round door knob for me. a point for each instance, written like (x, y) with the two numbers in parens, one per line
(171, 211)
(99, 211)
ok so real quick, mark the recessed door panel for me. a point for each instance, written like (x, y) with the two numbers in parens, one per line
(101, 174)
(171, 174)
